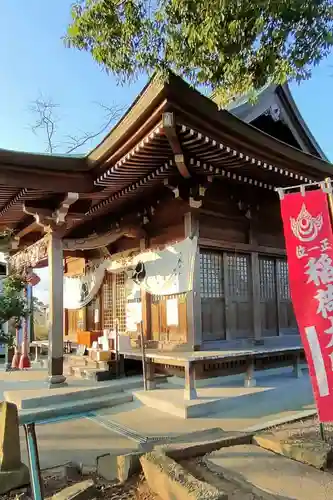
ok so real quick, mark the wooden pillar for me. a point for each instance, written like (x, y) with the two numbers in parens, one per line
(297, 367)
(227, 300)
(56, 314)
(190, 391)
(150, 373)
(193, 302)
(250, 380)
(146, 301)
(255, 277)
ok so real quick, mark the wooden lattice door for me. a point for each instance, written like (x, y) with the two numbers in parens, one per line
(239, 316)
(107, 301)
(268, 296)
(212, 296)
(287, 321)
(120, 301)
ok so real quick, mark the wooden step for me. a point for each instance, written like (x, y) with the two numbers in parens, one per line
(78, 371)
(98, 375)
(77, 360)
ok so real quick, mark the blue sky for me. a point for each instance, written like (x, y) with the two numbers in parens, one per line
(34, 62)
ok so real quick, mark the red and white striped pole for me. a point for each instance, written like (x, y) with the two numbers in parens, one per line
(25, 361)
(17, 354)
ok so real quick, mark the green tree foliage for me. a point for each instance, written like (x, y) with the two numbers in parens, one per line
(13, 304)
(230, 46)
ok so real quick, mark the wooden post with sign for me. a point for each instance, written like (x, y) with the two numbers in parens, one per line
(143, 354)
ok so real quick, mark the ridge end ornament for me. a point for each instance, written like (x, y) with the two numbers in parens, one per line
(306, 227)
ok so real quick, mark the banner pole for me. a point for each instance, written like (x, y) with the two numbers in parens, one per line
(143, 354)
(328, 185)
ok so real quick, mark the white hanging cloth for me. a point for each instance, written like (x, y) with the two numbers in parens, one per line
(168, 271)
(79, 291)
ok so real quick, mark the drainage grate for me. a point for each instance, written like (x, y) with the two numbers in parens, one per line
(113, 426)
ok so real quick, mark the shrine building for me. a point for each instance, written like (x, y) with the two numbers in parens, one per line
(175, 170)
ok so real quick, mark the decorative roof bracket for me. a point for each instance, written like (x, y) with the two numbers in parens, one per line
(61, 212)
(47, 218)
(173, 188)
(169, 126)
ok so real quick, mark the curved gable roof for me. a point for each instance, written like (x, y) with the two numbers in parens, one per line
(278, 95)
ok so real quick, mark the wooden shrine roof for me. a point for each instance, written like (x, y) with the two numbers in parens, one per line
(141, 151)
(280, 98)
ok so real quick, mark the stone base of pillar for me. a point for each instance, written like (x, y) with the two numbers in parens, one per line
(57, 381)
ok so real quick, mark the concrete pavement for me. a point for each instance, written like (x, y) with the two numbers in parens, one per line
(275, 397)
(123, 428)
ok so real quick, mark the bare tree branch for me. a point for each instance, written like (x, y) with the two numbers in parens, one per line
(47, 122)
(112, 114)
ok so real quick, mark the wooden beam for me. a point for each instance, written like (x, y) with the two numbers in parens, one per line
(33, 226)
(45, 213)
(54, 181)
(240, 247)
(102, 240)
(169, 126)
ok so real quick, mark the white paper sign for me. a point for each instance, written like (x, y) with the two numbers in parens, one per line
(133, 315)
(172, 317)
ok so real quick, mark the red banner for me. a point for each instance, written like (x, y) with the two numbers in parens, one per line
(309, 243)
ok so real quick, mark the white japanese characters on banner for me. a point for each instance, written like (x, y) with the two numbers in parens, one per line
(309, 243)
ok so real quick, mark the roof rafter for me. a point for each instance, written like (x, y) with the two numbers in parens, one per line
(159, 172)
(7, 206)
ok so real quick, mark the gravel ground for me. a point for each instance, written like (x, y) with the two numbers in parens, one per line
(136, 488)
(55, 480)
(306, 430)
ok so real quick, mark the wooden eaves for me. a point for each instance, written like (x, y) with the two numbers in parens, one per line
(139, 154)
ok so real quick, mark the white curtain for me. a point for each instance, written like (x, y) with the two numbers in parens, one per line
(168, 271)
(79, 291)
(161, 272)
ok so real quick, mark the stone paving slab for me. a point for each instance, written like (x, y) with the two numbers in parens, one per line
(288, 397)
(37, 398)
(68, 410)
(79, 441)
(311, 451)
(274, 475)
(210, 400)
